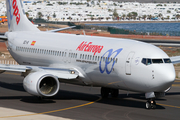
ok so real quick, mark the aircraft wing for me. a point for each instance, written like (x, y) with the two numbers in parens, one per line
(60, 73)
(60, 29)
(2, 37)
(175, 60)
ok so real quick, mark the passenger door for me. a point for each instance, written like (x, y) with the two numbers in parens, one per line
(128, 63)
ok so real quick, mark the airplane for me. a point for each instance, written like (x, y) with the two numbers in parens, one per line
(47, 59)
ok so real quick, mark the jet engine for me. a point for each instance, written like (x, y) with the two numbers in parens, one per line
(41, 84)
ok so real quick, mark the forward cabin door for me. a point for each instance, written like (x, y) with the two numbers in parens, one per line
(128, 63)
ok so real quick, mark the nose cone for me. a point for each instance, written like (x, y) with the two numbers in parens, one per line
(165, 77)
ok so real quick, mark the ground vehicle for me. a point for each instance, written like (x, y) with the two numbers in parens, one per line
(3, 19)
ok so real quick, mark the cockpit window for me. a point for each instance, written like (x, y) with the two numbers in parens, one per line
(157, 60)
(149, 61)
(167, 60)
(146, 61)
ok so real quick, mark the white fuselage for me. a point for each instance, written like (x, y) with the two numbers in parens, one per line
(105, 62)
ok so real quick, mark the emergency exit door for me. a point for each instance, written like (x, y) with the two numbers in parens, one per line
(128, 63)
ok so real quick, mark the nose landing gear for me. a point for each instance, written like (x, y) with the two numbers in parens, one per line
(151, 104)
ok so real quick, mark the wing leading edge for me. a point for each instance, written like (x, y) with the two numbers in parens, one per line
(60, 73)
(175, 59)
(2, 37)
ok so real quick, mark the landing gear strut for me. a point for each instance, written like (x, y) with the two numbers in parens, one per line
(106, 91)
(151, 104)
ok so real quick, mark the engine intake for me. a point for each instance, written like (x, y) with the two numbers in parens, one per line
(41, 84)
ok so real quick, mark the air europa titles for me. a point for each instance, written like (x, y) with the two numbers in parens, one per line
(88, 47)
(16, 11)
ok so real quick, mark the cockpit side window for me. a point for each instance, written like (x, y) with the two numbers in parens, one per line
(146, 61)
(157, 60)
(167, 60)
(149, 61)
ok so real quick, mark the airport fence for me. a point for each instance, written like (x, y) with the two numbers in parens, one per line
(114, 30)
(38, 21)
(9, 62)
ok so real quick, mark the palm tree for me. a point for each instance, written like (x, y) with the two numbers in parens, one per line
(150, 16)
(48, 17)
(144, 17)
(115, 14)
(70, 18)
(129, 15)
(27, 14)
(134, 14)
(160, 15)
(107, 18)
(92, 18)
(123, 16)
(177, 16)
(39, 14)
(54, 15)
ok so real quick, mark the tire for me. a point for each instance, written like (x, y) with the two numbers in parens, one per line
(153, 105)
(148, 105)
(114, 93)
(104, 92)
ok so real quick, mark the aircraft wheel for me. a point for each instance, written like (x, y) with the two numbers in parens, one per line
(148, 105)
(104, 92)
(151, 104)
(114, 93)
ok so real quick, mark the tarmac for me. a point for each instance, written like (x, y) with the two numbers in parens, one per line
(82, 103)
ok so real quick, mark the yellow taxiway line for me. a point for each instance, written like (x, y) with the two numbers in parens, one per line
(54, 110)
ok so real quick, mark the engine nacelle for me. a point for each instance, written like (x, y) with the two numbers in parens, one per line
(41, 84)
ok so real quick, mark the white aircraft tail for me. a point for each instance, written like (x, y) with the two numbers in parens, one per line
(17, 20)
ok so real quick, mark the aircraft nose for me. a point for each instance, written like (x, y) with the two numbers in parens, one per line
(166, 78)
(169, 76)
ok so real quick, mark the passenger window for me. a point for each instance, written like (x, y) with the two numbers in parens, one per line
(98, 58)
(80, 56)
(71, 55)
(85, 56)
(116, 60)
(88, 57)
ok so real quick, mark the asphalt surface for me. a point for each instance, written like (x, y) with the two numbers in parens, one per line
(84, 103)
